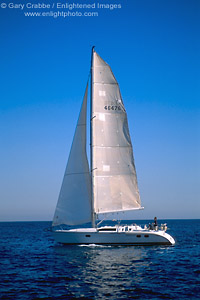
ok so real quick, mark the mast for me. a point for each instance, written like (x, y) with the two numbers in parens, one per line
(91, 142)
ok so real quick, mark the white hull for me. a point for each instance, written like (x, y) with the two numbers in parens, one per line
(111, 237)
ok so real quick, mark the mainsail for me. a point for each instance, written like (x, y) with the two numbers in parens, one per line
(114, 178)
(74, 202)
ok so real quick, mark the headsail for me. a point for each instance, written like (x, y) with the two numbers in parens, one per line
(74, 202)
(114, 176)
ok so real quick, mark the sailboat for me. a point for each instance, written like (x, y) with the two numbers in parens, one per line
(109, 186)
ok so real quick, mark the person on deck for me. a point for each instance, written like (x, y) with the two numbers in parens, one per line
(155, 224)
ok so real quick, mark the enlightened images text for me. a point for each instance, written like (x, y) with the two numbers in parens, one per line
(69, 6)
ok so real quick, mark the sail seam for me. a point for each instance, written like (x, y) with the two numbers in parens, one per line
(114, 175)
(111, 146)
(67, 174)
(108, 113)
(96, 82)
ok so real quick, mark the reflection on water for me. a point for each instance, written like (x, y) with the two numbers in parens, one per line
(104, 270)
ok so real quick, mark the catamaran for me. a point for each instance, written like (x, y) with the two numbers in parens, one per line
(109, 186)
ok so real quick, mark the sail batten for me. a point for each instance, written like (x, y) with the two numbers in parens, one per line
(120, 210)
(114, 177)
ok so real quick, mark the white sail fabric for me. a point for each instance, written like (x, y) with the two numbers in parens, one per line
(74, 202)
(114, 177)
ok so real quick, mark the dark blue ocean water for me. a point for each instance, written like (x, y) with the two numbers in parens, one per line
(33, 266)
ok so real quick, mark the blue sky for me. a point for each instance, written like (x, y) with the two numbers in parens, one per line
(153, 48)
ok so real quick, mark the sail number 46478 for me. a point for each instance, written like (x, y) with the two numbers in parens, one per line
(113, 107)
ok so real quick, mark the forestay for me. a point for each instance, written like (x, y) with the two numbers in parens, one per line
(114, 177)
(74, 202)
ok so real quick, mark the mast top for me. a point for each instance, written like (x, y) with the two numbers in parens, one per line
(92, 56)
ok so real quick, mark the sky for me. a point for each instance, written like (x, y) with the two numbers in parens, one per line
(153, 49)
